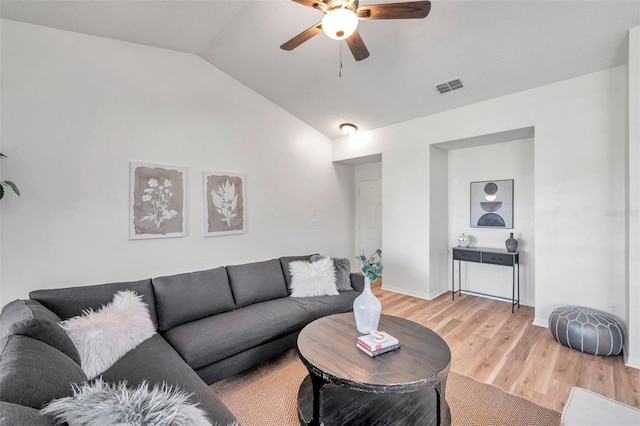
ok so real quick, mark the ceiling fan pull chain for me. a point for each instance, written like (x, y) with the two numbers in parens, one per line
(340, 69)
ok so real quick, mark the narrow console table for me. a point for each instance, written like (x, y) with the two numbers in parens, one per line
(492, 257)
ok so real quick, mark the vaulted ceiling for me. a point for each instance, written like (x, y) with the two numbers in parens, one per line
(496, 47)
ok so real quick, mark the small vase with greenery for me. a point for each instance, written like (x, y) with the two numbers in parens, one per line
(7, 183)
(366, 307)
(371, 267)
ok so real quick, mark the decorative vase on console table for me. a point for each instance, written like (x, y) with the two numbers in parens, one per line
(366, 307)
(511, 243)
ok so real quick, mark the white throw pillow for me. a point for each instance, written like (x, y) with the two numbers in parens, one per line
(309, 279)
(106, 335)
(101, 403)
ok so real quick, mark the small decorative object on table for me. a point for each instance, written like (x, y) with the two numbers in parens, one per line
(511, 243)
(366, 307)
(377, 343)
(463, 241)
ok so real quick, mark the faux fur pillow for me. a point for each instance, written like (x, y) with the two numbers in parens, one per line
(343, 274)
(102, 403)
(104, 336)
(309, 279)
(343, 271)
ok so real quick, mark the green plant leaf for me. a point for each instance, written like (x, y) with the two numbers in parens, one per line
(1, 192)
(13, 186)
(3, 156)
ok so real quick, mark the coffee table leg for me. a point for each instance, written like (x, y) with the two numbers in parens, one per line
(442, 403)
(318, 402)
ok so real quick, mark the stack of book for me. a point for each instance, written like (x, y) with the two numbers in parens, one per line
(377, 343)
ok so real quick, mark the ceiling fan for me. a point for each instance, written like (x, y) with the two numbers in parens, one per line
(341, 18)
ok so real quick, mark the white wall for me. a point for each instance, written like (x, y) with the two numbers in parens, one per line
(633, 202)
(579, 164)
(76, 109)
(507, 160)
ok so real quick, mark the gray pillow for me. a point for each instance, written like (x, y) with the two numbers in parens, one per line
(343, 272)
(30, 318)
(33, 373)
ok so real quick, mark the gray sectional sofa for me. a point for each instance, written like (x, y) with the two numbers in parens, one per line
(210, 325)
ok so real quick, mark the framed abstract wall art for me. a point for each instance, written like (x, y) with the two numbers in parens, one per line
(225, 203)
(492, 204)
(157, 201)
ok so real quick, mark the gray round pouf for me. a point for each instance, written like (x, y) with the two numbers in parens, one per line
(586, 330)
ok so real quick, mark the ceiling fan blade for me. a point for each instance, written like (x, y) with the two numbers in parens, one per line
(357, 47)
(316, 4)
(302, 37)
(414, 9)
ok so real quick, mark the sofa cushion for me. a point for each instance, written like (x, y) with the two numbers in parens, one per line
(211, 339)
(30, 318)
(257, 282)
(318, 307)
(189, 297)
(208, 340)
(284, 263)
(33, 373)
(71, 301)
(14, 414)
(169, 367)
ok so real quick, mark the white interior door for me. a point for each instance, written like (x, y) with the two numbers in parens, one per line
(369, 226)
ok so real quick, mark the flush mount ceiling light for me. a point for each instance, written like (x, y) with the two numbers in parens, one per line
(339, 24)
(348, 129)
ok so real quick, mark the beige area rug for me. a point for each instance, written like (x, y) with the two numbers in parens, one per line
(267, 396)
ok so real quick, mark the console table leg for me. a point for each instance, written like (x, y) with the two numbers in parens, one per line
(513, 288)
(453, 282)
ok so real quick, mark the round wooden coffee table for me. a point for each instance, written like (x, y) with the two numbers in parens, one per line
(347, 386)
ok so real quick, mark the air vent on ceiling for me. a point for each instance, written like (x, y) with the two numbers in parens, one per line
(450, 85)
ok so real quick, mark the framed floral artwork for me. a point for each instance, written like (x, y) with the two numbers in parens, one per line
(157, 201)
(225, 203)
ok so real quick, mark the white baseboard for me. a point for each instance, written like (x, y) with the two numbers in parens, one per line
(633, 362)
(417, 294)
(541, 322)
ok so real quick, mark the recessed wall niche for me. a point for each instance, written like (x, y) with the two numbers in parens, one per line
(453, 165)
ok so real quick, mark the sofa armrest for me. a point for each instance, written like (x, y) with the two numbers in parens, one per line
(357, 281)
(14, 414)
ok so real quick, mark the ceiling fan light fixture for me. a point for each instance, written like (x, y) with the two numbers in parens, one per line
(339, 23)
(348, 129)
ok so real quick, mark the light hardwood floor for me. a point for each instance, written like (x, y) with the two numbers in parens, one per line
(494, 346)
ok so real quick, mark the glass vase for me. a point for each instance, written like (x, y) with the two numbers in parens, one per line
(367, 309)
